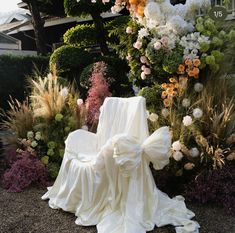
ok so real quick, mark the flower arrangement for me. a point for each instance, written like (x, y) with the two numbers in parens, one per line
(187, 56)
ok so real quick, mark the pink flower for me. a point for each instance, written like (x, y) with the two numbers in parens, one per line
(144, 59)
(128, 57)
(157, 45)
(165, 41)
(143, 67)
(147, 71)
(137, 44)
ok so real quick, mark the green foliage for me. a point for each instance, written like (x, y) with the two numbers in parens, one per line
(13, 73)
(81, 35)
(69, 61)
(84, 7)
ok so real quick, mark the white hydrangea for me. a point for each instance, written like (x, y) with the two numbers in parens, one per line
(197, 113)
(143, 32)
(177, 155)
(153, 117)
(153, 14)
(187, 120)
(198, 87)
(186, 102)
(176, 145)
(194, 152)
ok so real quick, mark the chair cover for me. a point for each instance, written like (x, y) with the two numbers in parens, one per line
(105, 177)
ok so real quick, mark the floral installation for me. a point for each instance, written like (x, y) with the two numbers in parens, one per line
(173, 55)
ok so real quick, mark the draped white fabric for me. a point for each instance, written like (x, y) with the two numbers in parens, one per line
(105, 177)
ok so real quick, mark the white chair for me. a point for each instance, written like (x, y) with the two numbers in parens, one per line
(105, 177)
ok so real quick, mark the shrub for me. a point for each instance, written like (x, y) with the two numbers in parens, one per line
(81, 35)
(69, 61)
(215, 186)
(26, 170)
(13, 73)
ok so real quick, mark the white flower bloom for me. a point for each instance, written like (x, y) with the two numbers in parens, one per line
(153, 117)
(165, 112)
(80, 102)
(194, 152)
(64, 92)
(157, 45)
(137, 44)
(147, 71)
(197, 113)
(189, 166)
(143, 32)
(176, 145)
(187, 120)
(143, 76)
(144, 59)
(186, 102)
(198, 87)
(129, 30)
(177, 155)
(85, 127)
(152, 11)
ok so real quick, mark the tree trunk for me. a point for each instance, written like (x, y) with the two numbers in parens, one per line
(38, 25)
(101, 34)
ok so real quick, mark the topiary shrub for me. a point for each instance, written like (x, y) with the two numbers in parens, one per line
(69, 61)
(81, 35)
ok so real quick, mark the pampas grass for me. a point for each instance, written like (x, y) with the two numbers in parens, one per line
(47, 99)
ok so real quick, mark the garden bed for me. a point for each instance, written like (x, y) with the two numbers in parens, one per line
(25, 212)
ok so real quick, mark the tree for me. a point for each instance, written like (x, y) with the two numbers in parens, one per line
(38, 26)
(84, 8)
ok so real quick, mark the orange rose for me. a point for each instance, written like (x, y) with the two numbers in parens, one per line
(140, 10)
(196, 71)
(167, 102)
(133, 2)
(181, 68)
(191, 73)
(188, 62)
(164, 94)
(173, 80)
(164, 85)
(196, 62)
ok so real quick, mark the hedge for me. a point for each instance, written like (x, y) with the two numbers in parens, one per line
(14, 71)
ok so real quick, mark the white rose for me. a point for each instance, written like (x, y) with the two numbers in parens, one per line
(129, 30)
(143, 59)
(157, 45)
(198, 87)
(186, 102)
(177, 155)
(194, 152)
(176, 145)
(153, 117)
(143, 76)
(187, 120)
(79, 102)
(197, 113)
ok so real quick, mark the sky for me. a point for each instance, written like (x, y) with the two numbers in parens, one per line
(8, 5)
